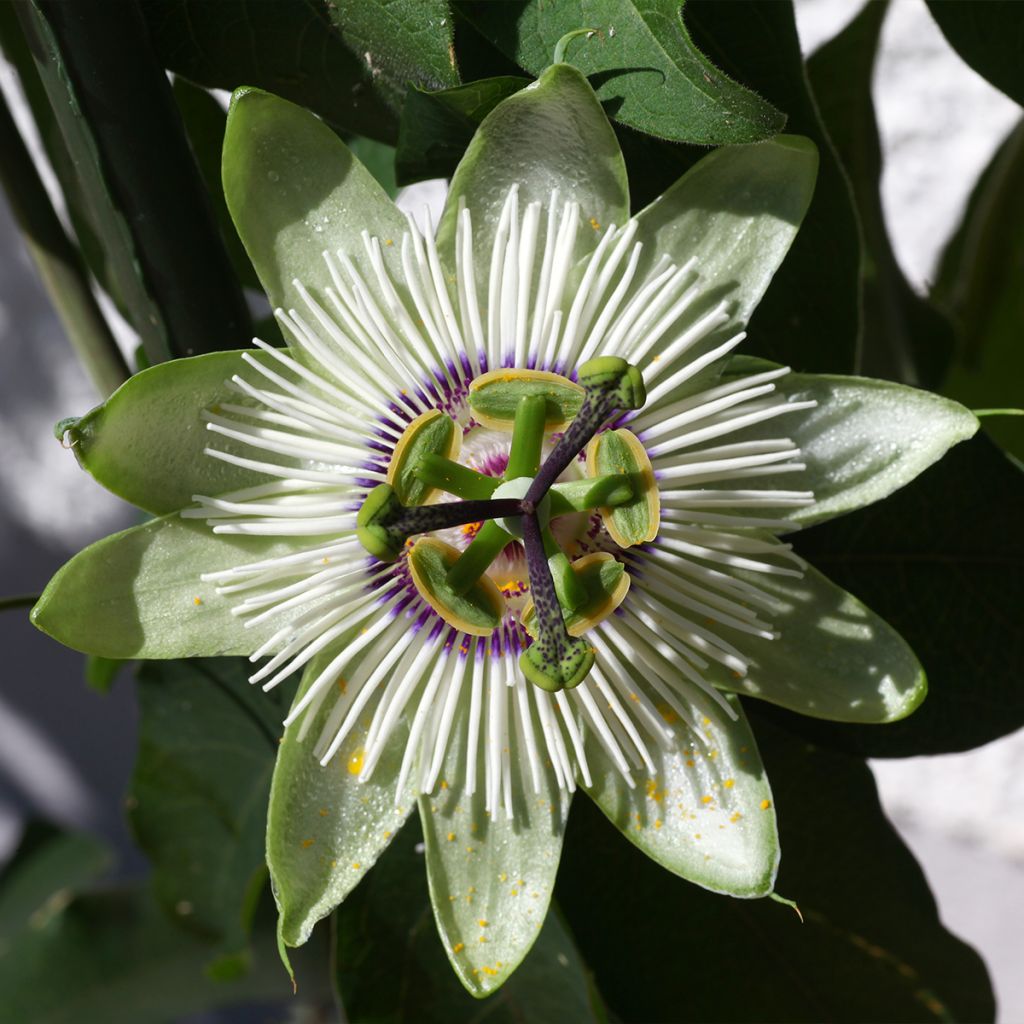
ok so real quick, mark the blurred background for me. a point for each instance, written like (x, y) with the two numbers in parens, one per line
(66, 752)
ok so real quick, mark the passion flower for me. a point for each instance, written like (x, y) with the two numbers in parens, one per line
(511, 505)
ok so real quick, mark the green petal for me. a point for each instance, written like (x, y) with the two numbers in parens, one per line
(145, 443)
(294, 189)
(866, 439)
(706, 814)
(490, 878)
(835, 658)
(736, 212)
(138, 593)
(325, 829)
(552, 134)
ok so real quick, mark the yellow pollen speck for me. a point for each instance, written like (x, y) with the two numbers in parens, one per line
(522, 881)
(735, 816)
(387, 835)
(707, 721)
(342, 684)
(197, 601)
(483, 938)
(667, 713)
(356, 865)
(389, 241)
(458, 947)
(696, 835)
(482, 923)
(595, 224)
(306, 843)
(515, 892)
(706, 799)
(323, 812)
(503, 877)
(690, 762)
(444, 784)
(334, 863)
(765, 804)
(355, 762)
(326, 561)
(729, 783)
(469, 849)
(658, 822)
(451, 837)
(490, 971)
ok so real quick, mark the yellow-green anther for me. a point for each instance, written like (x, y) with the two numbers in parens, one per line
(571, 593)
(527, 437)
(446, 475)
(582, 495)
(477, 557)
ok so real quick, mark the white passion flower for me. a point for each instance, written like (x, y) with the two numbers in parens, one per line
(511, 505)
(426, 414)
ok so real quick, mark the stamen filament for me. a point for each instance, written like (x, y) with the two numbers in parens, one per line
(476, 559)
(446, 475)
(527, 437)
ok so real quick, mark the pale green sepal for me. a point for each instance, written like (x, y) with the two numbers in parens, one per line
(138, 593)
(490, 879)
(294, 189)
(706, 814)
(551, 135)
(736, 213)
(834, 657)
(145, 442)
(865, 439)
(325, 828)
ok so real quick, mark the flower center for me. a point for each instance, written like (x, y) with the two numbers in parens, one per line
(566, 598)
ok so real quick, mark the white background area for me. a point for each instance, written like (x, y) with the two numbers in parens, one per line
(962, 815)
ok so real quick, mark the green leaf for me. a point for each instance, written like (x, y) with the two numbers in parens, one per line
(121, 961)
(437, 127)
(99, 219)
(38, 881)
(871, 948)
(145, 443)
(400, 42)
(138, 593)
(834, 657)
(73, 186)
(198, 795)
(863, 441)
(349, 61)
(294, 189)
(553, 135)
(387, 922)
(810, 317)
(644, 63)
(706, 813)
(941, 561)
(987, 36)
(490, 877)
(904, 338)
(736, 212)
(147, 195)
(325, 828)
(979, 287)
